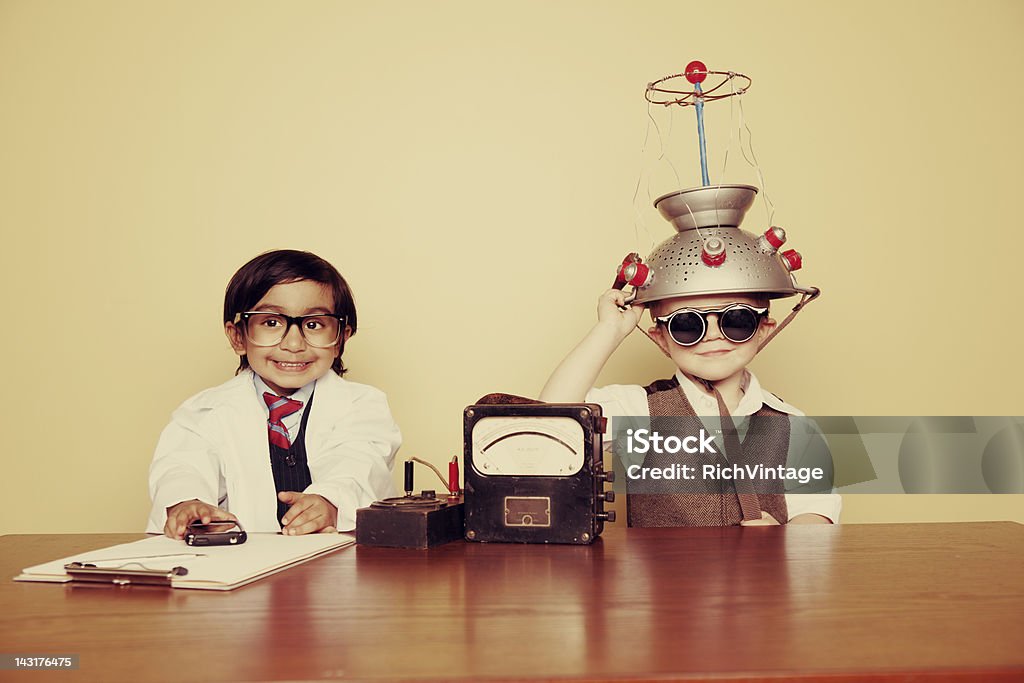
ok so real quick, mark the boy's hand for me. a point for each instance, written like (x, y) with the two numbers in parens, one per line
(309, 513)
(181, 515)
(766, 520)
(612, 310)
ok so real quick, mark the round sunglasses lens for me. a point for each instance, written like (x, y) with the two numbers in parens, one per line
(738, 324)
(686, 328)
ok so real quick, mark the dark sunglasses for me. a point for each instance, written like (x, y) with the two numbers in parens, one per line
(738, 323)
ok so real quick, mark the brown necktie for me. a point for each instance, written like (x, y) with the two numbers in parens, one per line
(749, 505)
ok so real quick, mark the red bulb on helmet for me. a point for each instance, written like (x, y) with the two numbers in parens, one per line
(713, 253)
(633, 271)
(635, 274)
(773, 238)
(792, 260)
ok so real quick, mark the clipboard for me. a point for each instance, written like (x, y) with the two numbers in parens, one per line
(162, 561)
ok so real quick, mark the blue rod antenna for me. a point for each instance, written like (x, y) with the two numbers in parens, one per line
(699, 106)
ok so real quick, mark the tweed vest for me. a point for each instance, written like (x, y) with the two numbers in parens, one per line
(714, 502)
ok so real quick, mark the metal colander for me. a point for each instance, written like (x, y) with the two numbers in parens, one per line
(701, 215)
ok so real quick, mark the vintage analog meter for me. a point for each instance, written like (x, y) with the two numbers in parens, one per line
(535, 473)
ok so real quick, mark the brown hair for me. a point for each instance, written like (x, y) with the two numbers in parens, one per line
(258, 276)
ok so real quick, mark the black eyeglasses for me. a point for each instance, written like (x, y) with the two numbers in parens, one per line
(269, 329)
(738, 323)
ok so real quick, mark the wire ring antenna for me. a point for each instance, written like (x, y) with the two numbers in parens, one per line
(658, 92)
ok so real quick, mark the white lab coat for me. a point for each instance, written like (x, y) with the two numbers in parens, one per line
(215, 449)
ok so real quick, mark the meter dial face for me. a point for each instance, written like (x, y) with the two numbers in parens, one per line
(528, 446)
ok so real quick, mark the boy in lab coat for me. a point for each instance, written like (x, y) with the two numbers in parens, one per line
(287, 444)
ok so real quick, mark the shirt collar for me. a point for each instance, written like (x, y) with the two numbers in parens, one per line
(704, 402)
(302, 395)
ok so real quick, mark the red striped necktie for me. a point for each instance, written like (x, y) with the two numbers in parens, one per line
(280, 408)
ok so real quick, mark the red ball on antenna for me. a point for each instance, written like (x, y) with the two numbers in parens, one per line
(696, 72)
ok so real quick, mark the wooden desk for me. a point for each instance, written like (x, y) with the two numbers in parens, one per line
(908, 602)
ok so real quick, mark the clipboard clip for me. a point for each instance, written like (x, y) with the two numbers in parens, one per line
(123, 575)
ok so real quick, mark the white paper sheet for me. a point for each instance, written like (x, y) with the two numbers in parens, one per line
(209, 567)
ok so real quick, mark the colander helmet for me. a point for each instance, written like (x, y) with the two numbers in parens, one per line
(710, 254)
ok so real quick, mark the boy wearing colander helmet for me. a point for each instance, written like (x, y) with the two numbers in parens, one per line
(708, 290)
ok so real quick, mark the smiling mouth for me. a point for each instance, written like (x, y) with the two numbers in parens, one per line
(285, 365)
(716, 352)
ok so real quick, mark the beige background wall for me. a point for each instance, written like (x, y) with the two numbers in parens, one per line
(470, 168)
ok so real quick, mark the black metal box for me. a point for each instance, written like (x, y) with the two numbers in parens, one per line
(415, 523)
(535, 473)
